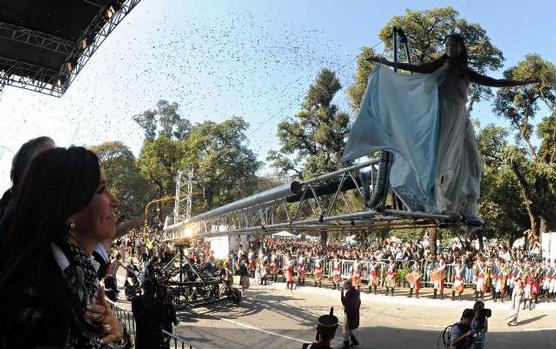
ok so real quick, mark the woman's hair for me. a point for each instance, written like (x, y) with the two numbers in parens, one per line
(462, 60)
(20, 162)
(59, 183)
(24, 156)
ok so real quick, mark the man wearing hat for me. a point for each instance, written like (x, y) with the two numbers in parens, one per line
(326, 330)
(352, 302)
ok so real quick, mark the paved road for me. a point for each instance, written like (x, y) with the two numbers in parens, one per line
(272, 317)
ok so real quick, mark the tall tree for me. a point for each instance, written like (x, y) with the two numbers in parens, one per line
(426, 31)
(159, 162)
(223, 163)
(164, 121)
(500, 204)
(224, 167)
(125, 180)
(534, 168)
(313, 141)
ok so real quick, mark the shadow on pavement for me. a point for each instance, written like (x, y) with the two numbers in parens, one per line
(369, 338)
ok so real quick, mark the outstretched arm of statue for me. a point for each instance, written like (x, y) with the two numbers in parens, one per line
(492, 82)
(425, 68)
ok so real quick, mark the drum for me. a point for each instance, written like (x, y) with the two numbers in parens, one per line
(318, 275)
(390, 281)
(438, 275)
(412, 277)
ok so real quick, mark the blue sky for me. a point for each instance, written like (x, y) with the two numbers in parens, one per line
(226, 58)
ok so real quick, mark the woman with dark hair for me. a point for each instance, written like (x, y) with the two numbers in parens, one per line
(49, 292)
(423, 120)
(20, 162)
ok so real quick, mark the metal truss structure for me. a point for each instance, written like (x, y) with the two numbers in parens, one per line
(55, 82)
(336, 202)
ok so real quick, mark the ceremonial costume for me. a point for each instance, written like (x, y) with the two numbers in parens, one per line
(480, 284)
(414, 279)
(390, 281)
(275, 269)
(336, 273)
(458, 281)
(356, 274)
(301, 272)
(500, 285)
(373, 276)
(439, 276)
(289, 274)
(317, 272)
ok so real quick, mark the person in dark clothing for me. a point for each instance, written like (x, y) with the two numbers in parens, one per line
(243, 276)
(20, 163)
(461, 336)
(351, 302)
(153, 312)
(326, 330)
(49, 293)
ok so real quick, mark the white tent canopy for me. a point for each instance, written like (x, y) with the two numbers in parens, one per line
(284, 235)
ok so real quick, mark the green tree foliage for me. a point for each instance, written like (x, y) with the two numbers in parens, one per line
(124, 178)
(164, 121)
(159, 162)
(224, 167)
(313, 141)
(533, 167)
(500, 204)
(426, 31)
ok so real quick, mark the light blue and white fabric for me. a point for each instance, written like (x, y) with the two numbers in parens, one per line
(422, 119)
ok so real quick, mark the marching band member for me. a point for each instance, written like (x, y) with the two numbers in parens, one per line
(289, 271)
(261, 270)
(301, 272)
(501, 281)
(317, 272)
(252, 263)
(440, 275)
(275, 268)
(373, 277)
(336, 273)
(458, 280)
(356, 273)
(414, 279)
(528, 290)
(390, 281)
(480, 285)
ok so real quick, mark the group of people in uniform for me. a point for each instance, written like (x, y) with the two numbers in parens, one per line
(494, 275)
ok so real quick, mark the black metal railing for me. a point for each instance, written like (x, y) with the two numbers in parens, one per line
(128, 320)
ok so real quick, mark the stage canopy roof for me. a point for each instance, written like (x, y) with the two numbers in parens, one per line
(44, 44)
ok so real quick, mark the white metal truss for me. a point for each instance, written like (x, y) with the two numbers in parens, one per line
(332, 202)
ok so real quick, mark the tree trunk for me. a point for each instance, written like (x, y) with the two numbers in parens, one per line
(527, 199)
(433, 233)
(323, 237)
(481, 241)
(543, 228)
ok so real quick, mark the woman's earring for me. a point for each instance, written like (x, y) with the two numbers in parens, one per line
(72, 225)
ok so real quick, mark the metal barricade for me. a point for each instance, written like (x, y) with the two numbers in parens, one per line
(125, 316)
(176, 341)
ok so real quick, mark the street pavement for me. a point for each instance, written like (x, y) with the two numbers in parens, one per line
(273, 317)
